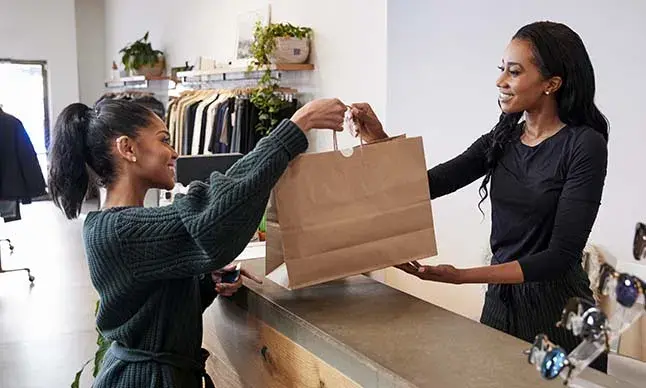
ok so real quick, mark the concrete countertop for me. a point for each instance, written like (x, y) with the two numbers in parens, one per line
(382, 337)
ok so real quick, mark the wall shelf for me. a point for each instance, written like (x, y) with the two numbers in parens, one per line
(135, 82)
(238, 73)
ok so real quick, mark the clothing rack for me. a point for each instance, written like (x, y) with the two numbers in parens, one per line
(2, 270)
(155, 87)
(208, 120)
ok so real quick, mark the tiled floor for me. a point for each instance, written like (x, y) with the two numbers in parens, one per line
(46, 331)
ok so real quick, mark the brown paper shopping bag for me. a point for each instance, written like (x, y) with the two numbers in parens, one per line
(337, 214)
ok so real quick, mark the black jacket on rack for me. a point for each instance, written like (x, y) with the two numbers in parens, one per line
(21, 178)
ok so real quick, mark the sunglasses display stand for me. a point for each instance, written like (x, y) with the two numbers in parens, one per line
(585, 320)
(582, 356)
(624, 315)
(588, 350)
(622, 319)
(568, 367)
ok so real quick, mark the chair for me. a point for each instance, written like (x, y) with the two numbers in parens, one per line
(2, 270)
(9, 212)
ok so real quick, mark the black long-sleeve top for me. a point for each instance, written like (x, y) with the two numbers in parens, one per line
(544, 199)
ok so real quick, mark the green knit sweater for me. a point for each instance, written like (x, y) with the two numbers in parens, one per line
(146, 263)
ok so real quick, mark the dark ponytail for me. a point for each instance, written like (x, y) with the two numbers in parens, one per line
(68, 175)
(82, 148)
(558, 51)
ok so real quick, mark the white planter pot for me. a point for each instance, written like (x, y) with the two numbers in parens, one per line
(290, 50)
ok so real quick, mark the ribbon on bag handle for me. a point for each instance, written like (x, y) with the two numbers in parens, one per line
(335, 141)
(348, 125)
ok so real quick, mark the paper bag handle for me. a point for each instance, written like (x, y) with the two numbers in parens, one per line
(348, 124)
(336, 142)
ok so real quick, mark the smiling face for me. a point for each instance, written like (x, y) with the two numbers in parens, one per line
(521, 85)
(153, 159)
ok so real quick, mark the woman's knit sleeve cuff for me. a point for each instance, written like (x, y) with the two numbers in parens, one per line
(290, 136)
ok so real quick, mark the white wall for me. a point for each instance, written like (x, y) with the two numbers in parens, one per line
(43, 30)
(442, 63)
(90, 43)
(349, 44)
(442, 59)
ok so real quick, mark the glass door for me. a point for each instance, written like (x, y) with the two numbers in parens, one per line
(24, 95)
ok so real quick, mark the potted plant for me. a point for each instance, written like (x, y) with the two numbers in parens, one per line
(275, 43)
(139, 58)
(282, 43)
(262, 228)
(102, 347)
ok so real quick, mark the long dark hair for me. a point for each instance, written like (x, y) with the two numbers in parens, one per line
(83, 143)
(558, 52)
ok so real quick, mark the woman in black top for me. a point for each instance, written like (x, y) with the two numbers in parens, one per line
(547, 175)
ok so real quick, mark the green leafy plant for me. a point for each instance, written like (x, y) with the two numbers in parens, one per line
(264, 96)
(103, 345)
(263, 223)
(140, 53)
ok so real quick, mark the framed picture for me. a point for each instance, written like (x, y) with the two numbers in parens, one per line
(245, 25)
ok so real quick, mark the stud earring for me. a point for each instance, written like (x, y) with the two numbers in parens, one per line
(134, 159)
(547, 92)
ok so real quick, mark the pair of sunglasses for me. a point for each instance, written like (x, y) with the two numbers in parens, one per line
(628, 287)
(585, 319)
(550, 359)
(639, 243)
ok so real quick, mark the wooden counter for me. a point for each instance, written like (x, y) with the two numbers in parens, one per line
(359, 333)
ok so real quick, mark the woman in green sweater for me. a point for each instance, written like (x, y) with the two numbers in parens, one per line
(149, 264)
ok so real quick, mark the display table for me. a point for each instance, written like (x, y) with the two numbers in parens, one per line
(359, 332)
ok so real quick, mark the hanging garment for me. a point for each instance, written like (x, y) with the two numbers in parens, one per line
(224, 145)
(215, 121)
(211, 122)
(214, 144)
(10, 210)
(202, 129)
(200, 122)
(20, 175)
(189, 126)
(249, 128)
(171, 102)
(224, 121)
(226, 127)
(237, 119)
(176, 119)
(185, 115)
(172, 120)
